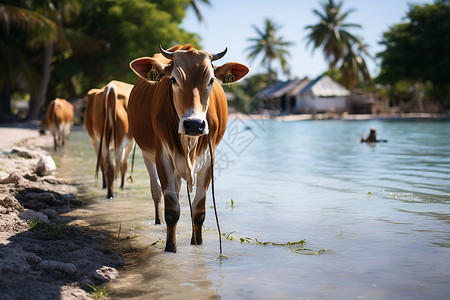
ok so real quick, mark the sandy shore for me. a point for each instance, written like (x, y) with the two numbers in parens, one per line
(41, 257)
(334, 116)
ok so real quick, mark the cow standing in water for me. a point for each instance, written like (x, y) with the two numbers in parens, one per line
(175, 106)
(106, 122)
(58, 119)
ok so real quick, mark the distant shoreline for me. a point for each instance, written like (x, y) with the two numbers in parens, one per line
(345, 117)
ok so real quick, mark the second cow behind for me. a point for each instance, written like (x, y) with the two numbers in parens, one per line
(106, 122)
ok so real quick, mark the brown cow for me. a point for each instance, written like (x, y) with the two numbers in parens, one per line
(58, 119)
(175, 106)
(106, 122)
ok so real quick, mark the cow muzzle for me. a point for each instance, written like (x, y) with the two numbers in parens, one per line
(194, 127)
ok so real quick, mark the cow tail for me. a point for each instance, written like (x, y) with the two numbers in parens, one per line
(112, 106)
(103, 132)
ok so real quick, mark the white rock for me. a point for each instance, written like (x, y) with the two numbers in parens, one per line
(45, 166)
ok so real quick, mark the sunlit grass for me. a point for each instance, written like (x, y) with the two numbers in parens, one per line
(54, 229)
(98, 292)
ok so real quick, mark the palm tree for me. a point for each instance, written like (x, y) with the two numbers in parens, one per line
(271, 46)
(353, 69)
(20, 24)
(331, 34)
(195, 6)
(46, 33)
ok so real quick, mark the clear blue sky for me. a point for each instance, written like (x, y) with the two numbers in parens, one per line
(229, 24)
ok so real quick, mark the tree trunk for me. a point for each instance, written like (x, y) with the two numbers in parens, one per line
(40, 99)
(5, 103)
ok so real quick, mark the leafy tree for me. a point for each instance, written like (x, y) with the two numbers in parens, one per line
(244, 92)
(331, 33)
(419, 49)
(271, 46)
(22, 29)
(121, 31)
(92, 42)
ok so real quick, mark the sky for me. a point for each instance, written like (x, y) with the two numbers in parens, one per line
(230, 23)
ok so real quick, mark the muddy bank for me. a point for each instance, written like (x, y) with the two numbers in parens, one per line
(41, 257)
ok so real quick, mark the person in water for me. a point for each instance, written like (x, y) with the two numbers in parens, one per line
(372, 137)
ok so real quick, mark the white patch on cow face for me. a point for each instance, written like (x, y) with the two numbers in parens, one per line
(191, 91)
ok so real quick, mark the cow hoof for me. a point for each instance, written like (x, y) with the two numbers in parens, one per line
(196, 242)
(110, 196)
(170, 247)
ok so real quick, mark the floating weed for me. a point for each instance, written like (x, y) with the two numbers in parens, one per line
(228, 236)
(245, 240)
(222, 257)
(231, 203)
(98, 292)
(298, 246)
(156, 242)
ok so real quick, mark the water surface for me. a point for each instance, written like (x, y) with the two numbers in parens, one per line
(381, 212)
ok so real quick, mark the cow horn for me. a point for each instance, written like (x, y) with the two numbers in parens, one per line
(166, 53)
(217, 56)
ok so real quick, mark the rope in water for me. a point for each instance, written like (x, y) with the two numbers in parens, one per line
(213, 197)
(192, 217)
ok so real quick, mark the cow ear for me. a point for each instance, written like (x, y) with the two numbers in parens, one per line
(148, 68)
(230, 72)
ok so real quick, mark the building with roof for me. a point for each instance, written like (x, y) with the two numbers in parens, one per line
(282, 95)
(307, 96)
(322, 95)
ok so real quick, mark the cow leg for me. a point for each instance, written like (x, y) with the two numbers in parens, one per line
(60, 135)
(124, 160)
(171, 202)
(55, 141)
(198, 206)
(66, 132)
(95, 145)
(54, 132)
(108, 168)
(155, 188)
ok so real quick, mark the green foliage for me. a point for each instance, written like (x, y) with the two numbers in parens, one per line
(297, 246)
(94, 42)
(419, 49)
(98, 292)
(22, 31)
(340, 47)
(120, 31)
(244, 92)
(270, 45)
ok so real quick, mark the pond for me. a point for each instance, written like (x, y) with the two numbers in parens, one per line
(375, 219)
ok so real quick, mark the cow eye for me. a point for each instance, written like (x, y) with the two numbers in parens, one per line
(173, 81)
(211, 81)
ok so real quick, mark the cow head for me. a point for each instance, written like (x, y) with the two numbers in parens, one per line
(192, 77)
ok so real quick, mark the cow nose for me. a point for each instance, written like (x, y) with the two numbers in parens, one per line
(194, 126)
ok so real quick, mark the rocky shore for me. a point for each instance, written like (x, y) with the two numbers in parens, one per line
(41, 256)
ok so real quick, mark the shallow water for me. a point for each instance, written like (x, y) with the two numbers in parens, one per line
(382, 212)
